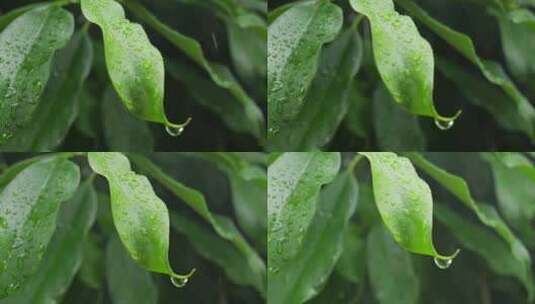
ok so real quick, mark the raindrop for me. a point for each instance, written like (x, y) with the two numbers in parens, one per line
(179, 282)
(444, 124)
(174, 131)
(443, 263)
(214, 39)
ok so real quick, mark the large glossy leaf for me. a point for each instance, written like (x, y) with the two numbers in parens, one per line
(127, 282)
(222, 225)
(302, 277)
(59, 104)
(403, 57)
(122, 131)
(135, 66)
(488, 245)
(294, 44)
(140, 216)
(390, 269)
(64, 254)
(389, 121)
(294, 182)
(514, 179)
(221, 252)
(493, 71)
(28, 208)
(27, 46)
(404, 201)
(326, 102)
(486, 213)
(219, 73)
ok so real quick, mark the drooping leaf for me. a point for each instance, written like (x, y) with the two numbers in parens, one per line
(486, 213)
(294, 43)
(222, 225)
(64, 254)
(219, 73)
(294, 182)
(58, 108)
(488, 245)
(127, 282)
(134, 65)
(140, 216)
(403, 57)
(27, 46)
(122, 131)
(302, 277)
(28, 209)
(390, 269)
(404, 201)
(493, 71)
(220, 251)
(326, 102)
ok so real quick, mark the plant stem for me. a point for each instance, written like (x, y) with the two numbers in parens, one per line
(354, 162)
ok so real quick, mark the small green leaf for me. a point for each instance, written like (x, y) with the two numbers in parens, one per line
(59, 104)
(294, 44)
(326, 102)
(390, 269)
(302, 277)
(27, 46)
(64, 254)
(135, 66)
(140, 217)
(294, 182)
(127, 282)
(403, 57)
(28, 208)
(405, 203)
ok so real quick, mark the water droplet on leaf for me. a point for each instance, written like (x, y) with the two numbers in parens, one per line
(179, 282)
(174, 131)
(443, 263)
(444, 124)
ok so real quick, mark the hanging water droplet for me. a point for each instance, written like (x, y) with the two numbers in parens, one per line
(443, 263)
(174, 131)
(444, 124)
(179, 282)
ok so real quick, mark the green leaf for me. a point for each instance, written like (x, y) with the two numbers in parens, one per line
(59, 104)
(486, 213)
(294, 44)
(64, 254)
(389, 121)
(122, 131)
(294, 182)
(135, 66)
(127, 282)
(27, 46)
(359, 116)
(219, 251)
(140, 217)
(222, 225)
(302, 277)
(219, 73)
(92, 269)
(8, 17)
(490, 247)
(390, 269)
(403, 57)
(352, 262)
(514, 179)
(28, 208)
(493, 71)
(326, 102)
(404, 201)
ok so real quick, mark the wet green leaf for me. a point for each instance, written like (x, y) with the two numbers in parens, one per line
(404, 201)
(302, 277)
(390, 269)
(59, 104)
(28, 209)
(403, 57)
(134, 65)
(294, 182)
(140, 216)
(64, 254)
(294, 43)
(326, 102)
(27, 46)
(127, 282)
